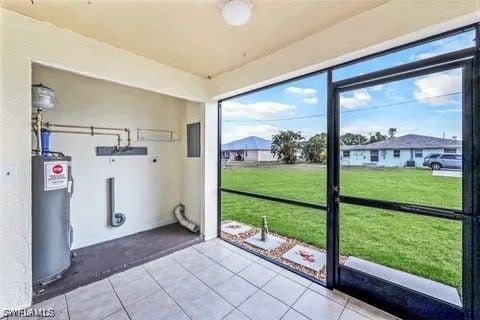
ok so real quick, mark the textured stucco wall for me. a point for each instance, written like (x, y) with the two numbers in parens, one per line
(24, 40)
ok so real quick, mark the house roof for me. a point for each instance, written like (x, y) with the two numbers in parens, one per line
(406, 142)
(248, 143)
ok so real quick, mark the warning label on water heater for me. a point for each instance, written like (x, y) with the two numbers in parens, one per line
(56, 175)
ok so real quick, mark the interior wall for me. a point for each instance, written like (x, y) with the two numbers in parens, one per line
(192, 183)
(22, 41)
(146, 191)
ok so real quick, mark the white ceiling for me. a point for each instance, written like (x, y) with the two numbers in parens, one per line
(191, 35)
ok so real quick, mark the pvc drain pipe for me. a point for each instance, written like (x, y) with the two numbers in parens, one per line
(179, 214)
(116, 219)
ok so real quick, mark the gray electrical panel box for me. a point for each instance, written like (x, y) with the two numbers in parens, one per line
(51, 231)
(194, 142)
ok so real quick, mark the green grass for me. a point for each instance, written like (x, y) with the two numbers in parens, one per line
(425, 246)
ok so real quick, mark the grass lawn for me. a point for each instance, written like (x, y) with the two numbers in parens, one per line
(429, 247)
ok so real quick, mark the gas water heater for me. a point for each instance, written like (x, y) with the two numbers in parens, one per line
(52, 187)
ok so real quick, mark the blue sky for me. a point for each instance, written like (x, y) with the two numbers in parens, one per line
(428, 105)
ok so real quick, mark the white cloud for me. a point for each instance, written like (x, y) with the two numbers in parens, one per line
(238, 132)
(304, 92)
(256, 110)
(437, 84)
(312, 100)
(359, 98)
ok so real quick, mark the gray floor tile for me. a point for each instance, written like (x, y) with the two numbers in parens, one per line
(316, 306)
(186, 289)
(348, 314)
(248, 255)
(335, 295)
(157, 266)
(209, 306)
(185, 255)
(284, 289)
(170, 274)
(217, 253)
(235, 262)
(200, 263)
(236, 290)
(128, 275)
(262, 306)
(154, 307)
(205, 245)
(214, 275)
(177, 315)
(93, 302)
(295, 277)
(270, 265)
(57, 303)
(257, 274)
(135, 287)
(119, 315)
(368, 310)
(294, 315)
(235, 315)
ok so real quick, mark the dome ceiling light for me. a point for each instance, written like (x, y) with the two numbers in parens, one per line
(236, 12)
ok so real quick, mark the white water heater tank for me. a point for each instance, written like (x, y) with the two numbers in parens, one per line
(42, 97)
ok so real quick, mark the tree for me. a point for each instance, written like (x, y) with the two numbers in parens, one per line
(392, 132)
(377, 137)
(351, 139)
(315, 149)
(286, 145)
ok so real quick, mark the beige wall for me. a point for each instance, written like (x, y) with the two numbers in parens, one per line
(145, 191)
(22, 41)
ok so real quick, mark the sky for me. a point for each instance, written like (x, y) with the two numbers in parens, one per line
(428, 105)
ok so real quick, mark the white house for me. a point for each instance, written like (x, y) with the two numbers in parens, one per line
(248, 149)
(408, 150)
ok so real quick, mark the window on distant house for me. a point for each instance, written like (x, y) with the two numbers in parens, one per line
(396, 153)
(450, 150)
(418, 153)
(346, 154)
(374, 155)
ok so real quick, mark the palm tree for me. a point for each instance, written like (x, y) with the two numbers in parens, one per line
(286, 145)
(315, 149)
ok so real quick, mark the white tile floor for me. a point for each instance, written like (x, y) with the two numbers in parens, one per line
(212, 280)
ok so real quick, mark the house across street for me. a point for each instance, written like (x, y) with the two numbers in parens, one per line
(408, 150)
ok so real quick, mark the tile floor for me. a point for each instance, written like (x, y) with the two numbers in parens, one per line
(212, 280)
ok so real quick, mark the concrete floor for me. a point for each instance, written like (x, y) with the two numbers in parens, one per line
(211, 280)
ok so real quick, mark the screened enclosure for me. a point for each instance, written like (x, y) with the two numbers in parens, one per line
(368, 176)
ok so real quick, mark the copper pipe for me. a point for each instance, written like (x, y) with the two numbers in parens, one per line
(92, 129)
(119, 139)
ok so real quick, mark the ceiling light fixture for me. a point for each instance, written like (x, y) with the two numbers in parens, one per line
(236, 12)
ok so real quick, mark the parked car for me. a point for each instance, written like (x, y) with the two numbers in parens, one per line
(437, 161)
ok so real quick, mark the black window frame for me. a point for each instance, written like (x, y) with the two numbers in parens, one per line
(396, 153)
(374, 155)
(346, 153)
(469, 60)
(418, 153)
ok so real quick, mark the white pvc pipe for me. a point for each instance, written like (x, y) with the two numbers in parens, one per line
(179, 215)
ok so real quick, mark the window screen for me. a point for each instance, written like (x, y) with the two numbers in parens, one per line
(193, 140)
(396, 153)
(374, 155)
